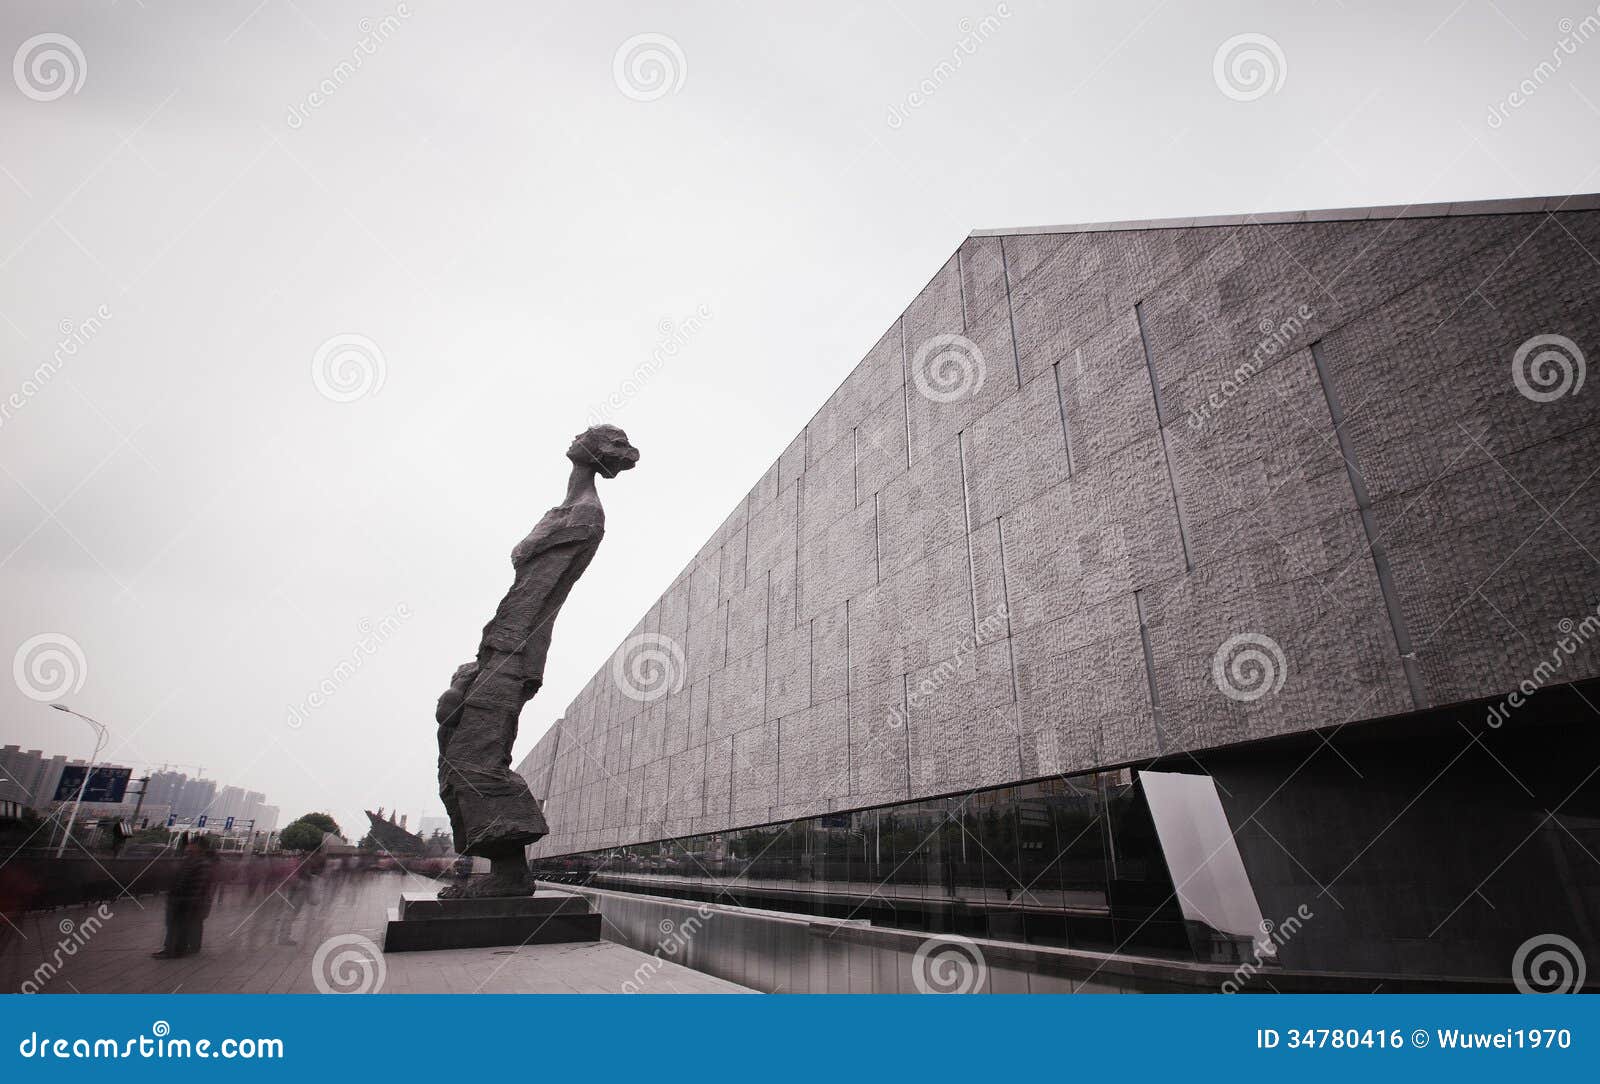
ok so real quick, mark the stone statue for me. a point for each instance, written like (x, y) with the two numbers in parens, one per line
(390, 838)
(492, 813)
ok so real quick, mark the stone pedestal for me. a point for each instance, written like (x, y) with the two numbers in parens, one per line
(422, 923)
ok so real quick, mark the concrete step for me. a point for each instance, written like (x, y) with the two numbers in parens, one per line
(423, 923)
(418, 905)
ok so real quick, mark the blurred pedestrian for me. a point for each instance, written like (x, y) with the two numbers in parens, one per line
(299, 893)
(189, 900)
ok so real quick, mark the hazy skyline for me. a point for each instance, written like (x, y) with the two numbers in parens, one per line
(338, 294)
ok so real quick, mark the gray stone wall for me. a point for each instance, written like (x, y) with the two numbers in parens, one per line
(1138, 532)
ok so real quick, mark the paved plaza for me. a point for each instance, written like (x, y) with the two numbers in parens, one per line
(257, 943)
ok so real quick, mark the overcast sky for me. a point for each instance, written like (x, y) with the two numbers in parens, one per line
(328, 345)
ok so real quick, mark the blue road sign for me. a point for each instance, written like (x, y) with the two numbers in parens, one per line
(104, 785)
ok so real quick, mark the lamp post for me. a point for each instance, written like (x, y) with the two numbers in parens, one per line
(100, 734)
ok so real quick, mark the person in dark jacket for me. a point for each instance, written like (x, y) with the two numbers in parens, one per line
(189, 900)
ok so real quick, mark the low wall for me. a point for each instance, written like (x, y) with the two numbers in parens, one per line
(783, 953)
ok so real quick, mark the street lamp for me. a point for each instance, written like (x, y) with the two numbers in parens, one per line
(100, 734)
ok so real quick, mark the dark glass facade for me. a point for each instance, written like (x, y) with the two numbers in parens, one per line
(1057, 862)
(1435, 844)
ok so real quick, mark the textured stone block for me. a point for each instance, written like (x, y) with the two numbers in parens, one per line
(686, 783)
(914, 616)
(654, 792)
(878, 768)
(650, 734)
(879, 377)
(1082, 690)
(1027, 252)
(792, 463)
(1494, 566)
(1427, 381)
(951, 381)
(880, 444)
(719, 781)
(936, 310)
(783, 599)
(674, 611)
(963, 729)
(982, 265)
(774, 532)
(1090, 282)
(830, 653)
(765, 491)
(921, 510)
(699, 719)
(1307, 610)
(839, 564)
(991, 608)
(747, 618)
(1015, 451)
(1112, 528)
(677, 706)
(1105, 386)
(738, 694)
(1263, 466)
(705, 583)
(632, 783)
(828, 491)
(814, 756)
(731, 571)
(789, 672)
(755, 772)
(704, 646)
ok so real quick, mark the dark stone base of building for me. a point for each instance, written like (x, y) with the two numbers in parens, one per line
(1441, 850)
(423, 923)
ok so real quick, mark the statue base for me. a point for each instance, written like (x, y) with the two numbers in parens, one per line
(423, 923)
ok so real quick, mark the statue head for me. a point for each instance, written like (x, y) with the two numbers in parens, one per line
(606, 447)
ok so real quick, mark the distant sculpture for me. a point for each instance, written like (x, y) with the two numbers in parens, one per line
(389, 837)
(492, 812)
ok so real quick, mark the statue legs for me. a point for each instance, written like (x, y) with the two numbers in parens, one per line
(492, 812)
